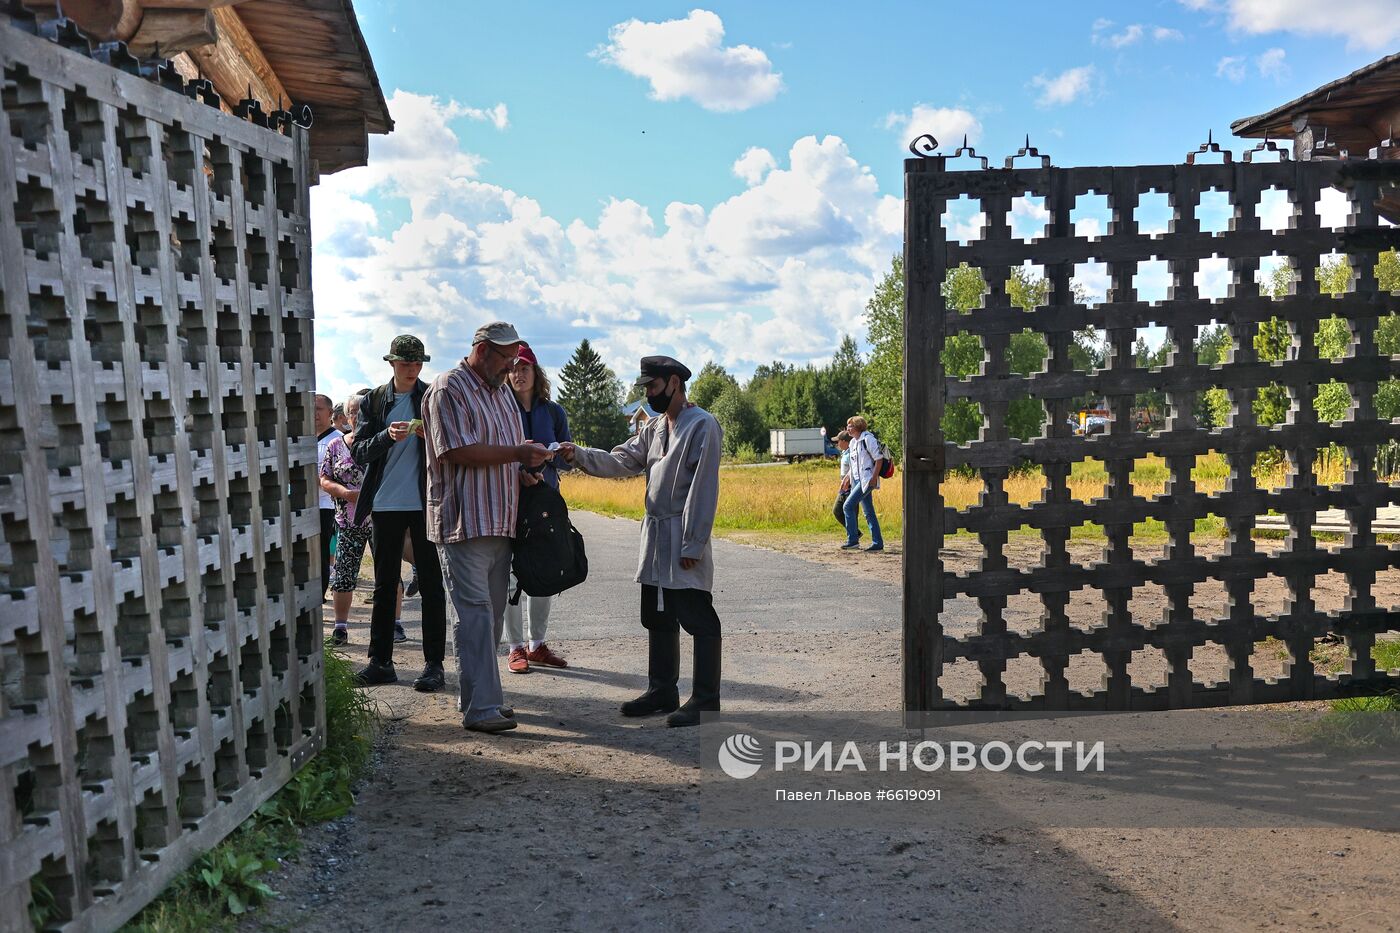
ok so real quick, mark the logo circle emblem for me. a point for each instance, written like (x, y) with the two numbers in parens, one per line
(740, 756)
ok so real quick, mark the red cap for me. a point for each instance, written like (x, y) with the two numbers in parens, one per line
(526, 354)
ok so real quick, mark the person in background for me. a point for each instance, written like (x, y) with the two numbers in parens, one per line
(545, 423)
(864, 479)
(341, 477)
(838, 509)
(325, 432)
(389, 444)
(338, 419)
(477, 462)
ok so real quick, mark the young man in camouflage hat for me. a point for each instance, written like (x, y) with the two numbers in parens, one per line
(389, 443)
(679, 453)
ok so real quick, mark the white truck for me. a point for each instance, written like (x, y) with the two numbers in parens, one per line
(794, 444)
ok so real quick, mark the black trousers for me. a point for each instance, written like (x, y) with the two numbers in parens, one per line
(327, 532)
(389, 528)
(692, 610)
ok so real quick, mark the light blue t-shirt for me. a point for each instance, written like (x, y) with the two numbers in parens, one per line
(398, 490)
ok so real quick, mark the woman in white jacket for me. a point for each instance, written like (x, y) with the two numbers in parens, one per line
(866, 464)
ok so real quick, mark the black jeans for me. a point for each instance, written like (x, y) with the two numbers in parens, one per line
(692, 610)
(389, 528)
(327, 532)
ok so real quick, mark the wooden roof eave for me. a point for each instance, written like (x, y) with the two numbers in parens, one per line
(1373, 87)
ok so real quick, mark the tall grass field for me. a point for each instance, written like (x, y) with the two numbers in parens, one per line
(797, 498)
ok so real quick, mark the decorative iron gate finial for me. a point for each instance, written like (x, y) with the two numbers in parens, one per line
(925, 146)
(1028, 151)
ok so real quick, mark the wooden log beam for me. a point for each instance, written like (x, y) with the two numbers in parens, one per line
(173, 31)
(236, 65)
(97, 18)
(187, 4)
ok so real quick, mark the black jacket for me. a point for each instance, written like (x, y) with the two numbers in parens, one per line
(371, 444)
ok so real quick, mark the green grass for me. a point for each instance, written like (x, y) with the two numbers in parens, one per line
(225, 882)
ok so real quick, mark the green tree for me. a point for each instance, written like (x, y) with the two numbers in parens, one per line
(708, 384)
(1212, 349)
(883, 372)
(738, 418)
(838, 390)
(590, 393)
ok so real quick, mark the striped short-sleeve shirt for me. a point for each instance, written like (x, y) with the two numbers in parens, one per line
(460, 409)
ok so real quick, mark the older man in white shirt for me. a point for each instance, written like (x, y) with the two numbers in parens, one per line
(866, 464)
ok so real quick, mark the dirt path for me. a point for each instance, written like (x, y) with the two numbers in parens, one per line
(581, 820)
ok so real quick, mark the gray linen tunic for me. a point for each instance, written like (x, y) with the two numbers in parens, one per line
(682, 470)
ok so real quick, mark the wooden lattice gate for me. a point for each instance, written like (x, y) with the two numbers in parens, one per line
(159, 569)
(1186, 627)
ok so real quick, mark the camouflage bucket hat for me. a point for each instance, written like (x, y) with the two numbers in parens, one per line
(407, 348)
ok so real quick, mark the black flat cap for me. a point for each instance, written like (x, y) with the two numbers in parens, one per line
(661, 367)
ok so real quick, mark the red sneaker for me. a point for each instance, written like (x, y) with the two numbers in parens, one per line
(542, 655)
(518, 661)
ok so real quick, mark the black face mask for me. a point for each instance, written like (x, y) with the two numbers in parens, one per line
(661, 402)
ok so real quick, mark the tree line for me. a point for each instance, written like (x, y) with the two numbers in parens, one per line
(777, 395)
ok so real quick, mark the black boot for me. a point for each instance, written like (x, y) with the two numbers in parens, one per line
(663, 670)
(704, 696)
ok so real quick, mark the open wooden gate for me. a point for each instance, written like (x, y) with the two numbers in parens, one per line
(1116, 638)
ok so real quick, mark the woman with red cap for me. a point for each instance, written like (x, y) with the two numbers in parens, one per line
(545, 422)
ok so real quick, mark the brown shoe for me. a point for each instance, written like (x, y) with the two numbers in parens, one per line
(542, 655)
(490, 725)
(519, 661)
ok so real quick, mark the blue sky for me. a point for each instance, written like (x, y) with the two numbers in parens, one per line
(722, 181)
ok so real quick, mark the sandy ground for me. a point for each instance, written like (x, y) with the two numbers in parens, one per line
(582, 820)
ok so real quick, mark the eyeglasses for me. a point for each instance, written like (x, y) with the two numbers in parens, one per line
(507, 354)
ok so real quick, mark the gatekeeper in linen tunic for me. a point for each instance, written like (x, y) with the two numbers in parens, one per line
(476, 451)
(679, 453)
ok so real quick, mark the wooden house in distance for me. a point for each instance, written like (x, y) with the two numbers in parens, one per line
(1356, 114)
(278, 52)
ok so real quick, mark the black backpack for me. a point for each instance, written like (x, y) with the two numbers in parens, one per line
(548, 553)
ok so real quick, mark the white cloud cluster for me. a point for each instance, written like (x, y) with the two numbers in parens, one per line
(948, 125)
(688, 58)
(1272, 64)
(1231, 67)
(1104, 35)
(1066, 87)
(778, 271)
(1366, 24)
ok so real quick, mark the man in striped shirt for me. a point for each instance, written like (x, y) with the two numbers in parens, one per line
(476, 452)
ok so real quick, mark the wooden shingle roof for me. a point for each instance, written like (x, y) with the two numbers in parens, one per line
(320, 57)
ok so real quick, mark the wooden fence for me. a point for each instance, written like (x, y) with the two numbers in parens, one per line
(160, 627)
(1113, 638)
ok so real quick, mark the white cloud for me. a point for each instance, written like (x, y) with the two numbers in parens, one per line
(754, 164)
(497, 116)
(1115, 40)
(687, 58)
(1271, 64)
(779, 271)
(1066, 87)
(1368, 24)
(948, 125)
(1231, 67)
(1101, 34)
